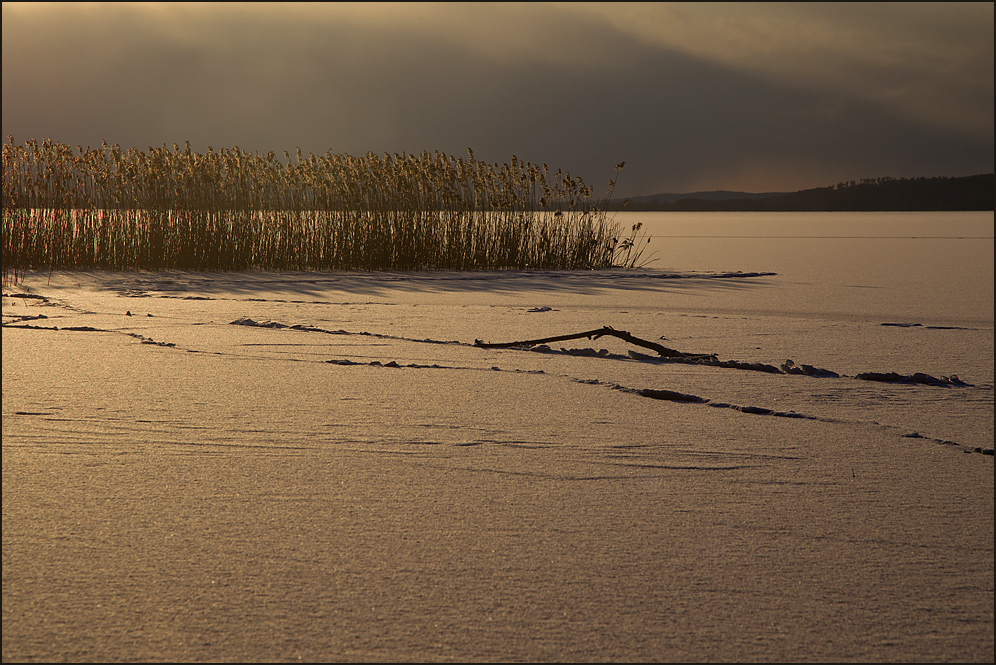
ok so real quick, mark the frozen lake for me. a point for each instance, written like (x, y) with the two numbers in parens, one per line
(324, 466)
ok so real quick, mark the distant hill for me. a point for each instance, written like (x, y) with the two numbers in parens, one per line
(967, 193)
(720, 195)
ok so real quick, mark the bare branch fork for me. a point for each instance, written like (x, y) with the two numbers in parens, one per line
(663, 351)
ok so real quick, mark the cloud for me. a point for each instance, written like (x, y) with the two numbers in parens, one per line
(931, 62)
(691, 96)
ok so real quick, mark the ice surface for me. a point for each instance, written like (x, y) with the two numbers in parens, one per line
(344, 475)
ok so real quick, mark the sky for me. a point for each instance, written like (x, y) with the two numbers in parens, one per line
(756, 97)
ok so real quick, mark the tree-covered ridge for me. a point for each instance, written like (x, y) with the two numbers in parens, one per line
(871, 194)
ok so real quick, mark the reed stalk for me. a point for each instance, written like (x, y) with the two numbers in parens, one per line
(173, 208)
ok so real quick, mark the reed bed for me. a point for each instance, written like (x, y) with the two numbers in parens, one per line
(173, 208)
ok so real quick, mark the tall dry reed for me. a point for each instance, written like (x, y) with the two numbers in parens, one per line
(173, 208)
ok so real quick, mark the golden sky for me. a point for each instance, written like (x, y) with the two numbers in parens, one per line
(694, 96)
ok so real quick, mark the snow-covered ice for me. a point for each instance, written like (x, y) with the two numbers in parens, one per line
(319, 466)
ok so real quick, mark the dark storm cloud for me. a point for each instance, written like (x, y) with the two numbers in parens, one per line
(545, 83)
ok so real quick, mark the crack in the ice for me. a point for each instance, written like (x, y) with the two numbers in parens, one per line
(674, 396)
(710, 360)
(788, 367)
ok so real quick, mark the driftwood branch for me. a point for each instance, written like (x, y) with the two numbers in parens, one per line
(662, 351)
